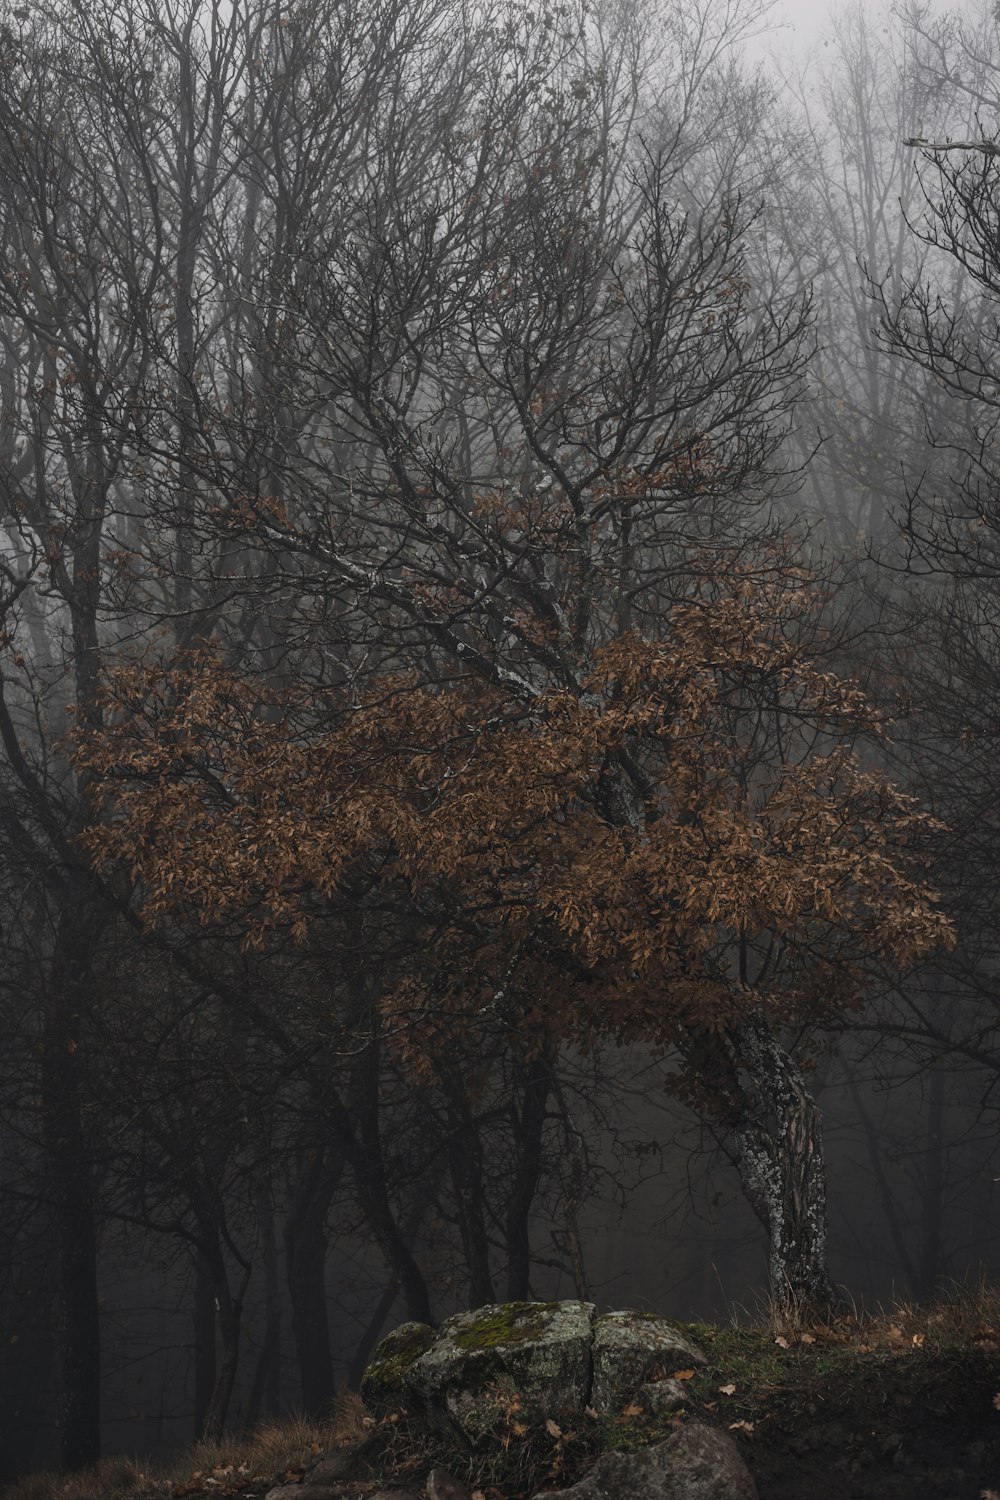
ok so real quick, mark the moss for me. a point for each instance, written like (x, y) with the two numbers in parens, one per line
(512, 1323)
(393, 1357)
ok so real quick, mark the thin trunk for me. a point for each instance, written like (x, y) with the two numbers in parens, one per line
(228, 1305)
(264, 1388)
(573, 1165)
(466, 1169)
(63, 1054)
(305, 1262)
(373, 1189)
(933, 1187)
(530, 1124)
(204, 1344)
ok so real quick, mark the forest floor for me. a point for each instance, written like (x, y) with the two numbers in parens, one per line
(904, 1404)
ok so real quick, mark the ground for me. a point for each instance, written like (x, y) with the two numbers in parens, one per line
(843, 1418)
(904, 1404)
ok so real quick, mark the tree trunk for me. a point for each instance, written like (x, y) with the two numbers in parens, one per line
(529, 1124)
(228, 1306)
(264, 1388)
(63, 1052)
(779, 1156)
(305, 1261)
(466, 1170)
(372, 1186)
(204, 1344)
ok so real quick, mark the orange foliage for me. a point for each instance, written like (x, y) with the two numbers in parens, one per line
(760, 858)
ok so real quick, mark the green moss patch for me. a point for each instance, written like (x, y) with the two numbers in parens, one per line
(513, 1323)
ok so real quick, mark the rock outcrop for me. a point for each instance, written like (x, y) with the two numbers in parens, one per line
(695, 1463)
(537, 1380)
(534, 1360)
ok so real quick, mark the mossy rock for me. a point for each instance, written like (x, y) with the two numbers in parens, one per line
(631, 1349)
(503, 1366)
(383, 1385)
(504, 1370)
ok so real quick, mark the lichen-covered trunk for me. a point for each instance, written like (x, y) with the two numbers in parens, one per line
(779, 1156)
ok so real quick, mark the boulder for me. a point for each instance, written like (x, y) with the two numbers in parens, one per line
(696, 1463)
(629, 1348)
(383, 1385)
(444, 1486)
(516, 1361)
(522, 1363)
(660, 1398)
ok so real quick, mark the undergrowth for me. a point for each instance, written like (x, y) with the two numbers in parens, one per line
(848, 1401)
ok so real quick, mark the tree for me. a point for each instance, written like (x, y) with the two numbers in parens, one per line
(766, 869)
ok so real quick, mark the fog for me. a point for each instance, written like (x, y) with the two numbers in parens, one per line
(499, 646)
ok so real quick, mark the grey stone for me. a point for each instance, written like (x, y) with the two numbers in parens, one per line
(304, 1491)
(628, 1347)
(444, 1486)
(660, 1398)
(337, 1467)
(383, 1385)
(697, 1463)
(523, 1361)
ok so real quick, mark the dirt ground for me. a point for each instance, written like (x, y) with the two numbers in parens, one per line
(883, 1429)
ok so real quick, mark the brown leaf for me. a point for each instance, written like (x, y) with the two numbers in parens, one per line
(631, 1411)
(782, 1343)
(683, 1374)
(727, 1390)
(807, 1338)
(552, 1428)
(746, 1428)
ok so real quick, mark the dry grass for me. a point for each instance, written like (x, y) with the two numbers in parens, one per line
(274, 1448)
(966, 1314)
(966, 1317)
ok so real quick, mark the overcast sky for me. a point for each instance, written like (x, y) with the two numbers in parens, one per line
(800, 24)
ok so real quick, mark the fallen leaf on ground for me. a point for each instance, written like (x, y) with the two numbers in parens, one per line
(996, 1400)
(918, 1341)
(588, 1411)
(552, 1428)
(683, 1374)
(807, 1338)
(745, 1427)
(631, 1411)
(781, 1342)
(727, 1390)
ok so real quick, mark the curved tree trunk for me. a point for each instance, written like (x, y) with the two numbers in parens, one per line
(778, 1140)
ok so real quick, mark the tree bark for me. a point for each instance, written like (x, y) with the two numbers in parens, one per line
(779, 1155)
